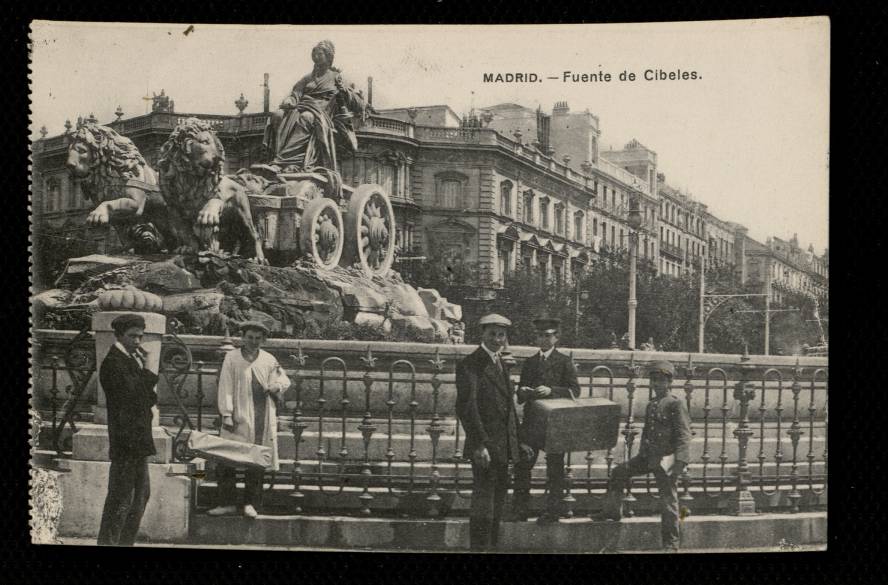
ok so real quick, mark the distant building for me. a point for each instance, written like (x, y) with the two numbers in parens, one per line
(786, 268)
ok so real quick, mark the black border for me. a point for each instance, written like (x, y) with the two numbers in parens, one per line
(857, 113)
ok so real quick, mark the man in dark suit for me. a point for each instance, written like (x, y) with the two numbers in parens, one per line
(664, 451)
(485, 406)
(129, 389)
(548, 374)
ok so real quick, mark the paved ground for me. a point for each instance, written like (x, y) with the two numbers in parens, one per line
(91, 542)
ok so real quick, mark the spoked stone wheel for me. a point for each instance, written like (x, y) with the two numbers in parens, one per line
(320, 234)
(369, 231)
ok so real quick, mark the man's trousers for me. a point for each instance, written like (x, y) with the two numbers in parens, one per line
(554, 479)
(225, 476)
(128, 491)
(488, 496)
(667, 490)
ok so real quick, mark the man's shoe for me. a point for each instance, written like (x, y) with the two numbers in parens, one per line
(250, 511)
(605, 517)
(222, 511)
(670, 549)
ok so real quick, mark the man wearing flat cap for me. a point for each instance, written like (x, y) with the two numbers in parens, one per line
(664, 451)
(129, 389)
(251, 384)
(548, 374)
(485, 406)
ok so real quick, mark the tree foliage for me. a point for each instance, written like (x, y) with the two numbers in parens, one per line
(594, 311)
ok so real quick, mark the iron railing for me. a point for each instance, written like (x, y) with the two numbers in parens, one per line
(373, 423)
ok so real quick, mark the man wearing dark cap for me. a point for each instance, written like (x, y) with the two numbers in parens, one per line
(548, 374)
(129, 390)
(486, 408)
(664, 451)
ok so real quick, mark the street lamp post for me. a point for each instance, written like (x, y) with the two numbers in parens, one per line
(634, 221)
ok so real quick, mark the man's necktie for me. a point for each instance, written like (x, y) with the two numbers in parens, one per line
(499, 364)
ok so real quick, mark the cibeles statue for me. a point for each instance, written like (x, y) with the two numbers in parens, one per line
(114, 176)
(315, 119)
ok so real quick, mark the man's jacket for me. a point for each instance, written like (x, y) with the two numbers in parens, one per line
(485, 406)
(667, 430)
(129, 390)
(557, 372)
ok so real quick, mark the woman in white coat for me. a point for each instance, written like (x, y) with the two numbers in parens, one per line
(251, 384)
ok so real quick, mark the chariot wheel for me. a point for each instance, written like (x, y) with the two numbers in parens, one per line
(369, 231)
(320, 233)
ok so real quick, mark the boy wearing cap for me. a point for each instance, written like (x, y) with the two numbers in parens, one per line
(251, 382)
(548, 374)
(664, 451)
(486, 408)
(129, 390)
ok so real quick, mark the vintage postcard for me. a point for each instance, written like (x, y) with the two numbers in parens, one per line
(538, 288)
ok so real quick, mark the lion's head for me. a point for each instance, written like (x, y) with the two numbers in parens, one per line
(98, 155)
(193, 149)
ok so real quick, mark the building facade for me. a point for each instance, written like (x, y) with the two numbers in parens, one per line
(507, 189)
(783, 267)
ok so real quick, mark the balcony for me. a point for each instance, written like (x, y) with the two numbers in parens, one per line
(672, 250)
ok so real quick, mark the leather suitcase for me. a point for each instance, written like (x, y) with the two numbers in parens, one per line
(560, 425)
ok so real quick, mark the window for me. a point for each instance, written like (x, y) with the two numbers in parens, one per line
(622, 241)
(506, 198)
(387, 179)
(53, 195)
(559, 218)
(450, 193)
(613, 236)
(544, 213)
(604, 231)
(594, 226)
(528, 207)
(578, 226)
(73, 202)
(450, 189)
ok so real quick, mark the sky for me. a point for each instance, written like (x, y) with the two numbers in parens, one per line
(749, 137)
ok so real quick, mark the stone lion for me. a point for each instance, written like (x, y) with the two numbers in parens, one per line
(209, 210)
(113, 175)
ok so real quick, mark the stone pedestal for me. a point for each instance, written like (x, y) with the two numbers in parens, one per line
(167, 515)
(155, 327)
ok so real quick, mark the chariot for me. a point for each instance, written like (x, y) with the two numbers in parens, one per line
(300, 216)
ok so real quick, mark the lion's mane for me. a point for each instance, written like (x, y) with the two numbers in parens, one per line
(115, 159)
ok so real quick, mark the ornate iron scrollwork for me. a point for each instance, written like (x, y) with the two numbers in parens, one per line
(175, 365)
(80, 362)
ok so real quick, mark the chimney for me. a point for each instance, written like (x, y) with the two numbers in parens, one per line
(266, 95)
(560, 108)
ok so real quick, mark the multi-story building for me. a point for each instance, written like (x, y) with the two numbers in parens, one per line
(616, 177)
(786, 268)
(683, 243)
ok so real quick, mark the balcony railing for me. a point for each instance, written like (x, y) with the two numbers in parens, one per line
(672, 250)
(371, 425)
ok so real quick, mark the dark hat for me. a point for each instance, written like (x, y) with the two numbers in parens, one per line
(663, 367)
(546, 324)
(123, 322)
(494, 319)
(254, 326)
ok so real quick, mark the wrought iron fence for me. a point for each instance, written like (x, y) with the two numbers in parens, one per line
(382, 429)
